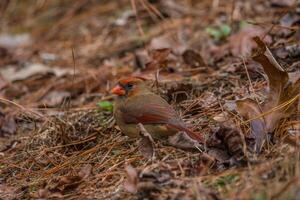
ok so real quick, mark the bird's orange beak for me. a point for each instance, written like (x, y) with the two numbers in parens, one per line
(118, 90)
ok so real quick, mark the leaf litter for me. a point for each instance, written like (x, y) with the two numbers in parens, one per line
(281, 102)
(63, 143)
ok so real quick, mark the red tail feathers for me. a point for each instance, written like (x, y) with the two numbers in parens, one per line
(195, 136)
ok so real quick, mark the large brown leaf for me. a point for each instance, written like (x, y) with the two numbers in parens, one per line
(282, 97)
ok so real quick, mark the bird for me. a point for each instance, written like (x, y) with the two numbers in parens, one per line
(136, 104)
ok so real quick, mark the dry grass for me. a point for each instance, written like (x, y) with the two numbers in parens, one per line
(53, 144)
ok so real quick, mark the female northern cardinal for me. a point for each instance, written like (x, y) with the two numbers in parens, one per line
(137, 104)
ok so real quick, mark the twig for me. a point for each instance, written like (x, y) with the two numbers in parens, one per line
(138, 22)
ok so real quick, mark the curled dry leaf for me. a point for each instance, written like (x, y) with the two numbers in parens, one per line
(193, 58)
(131, 181)
(146, 143)
(282, 90)
(282, 97)
(250, 109)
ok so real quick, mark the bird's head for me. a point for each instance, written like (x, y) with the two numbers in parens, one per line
(129, 86)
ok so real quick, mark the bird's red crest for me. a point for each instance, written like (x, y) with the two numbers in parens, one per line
(133, 79)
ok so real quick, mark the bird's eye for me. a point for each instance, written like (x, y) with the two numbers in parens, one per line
(129, 86)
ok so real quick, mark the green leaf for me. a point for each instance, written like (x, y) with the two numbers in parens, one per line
(106, 105)
(243, 24)
(220, 32)
(225, 30)
(215, 33)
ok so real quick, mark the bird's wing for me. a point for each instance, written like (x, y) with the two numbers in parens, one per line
(152, 109)
(148, 109)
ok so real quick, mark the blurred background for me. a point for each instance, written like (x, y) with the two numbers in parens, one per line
(95, 40)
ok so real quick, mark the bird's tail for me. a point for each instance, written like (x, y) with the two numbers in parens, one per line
(193, 135)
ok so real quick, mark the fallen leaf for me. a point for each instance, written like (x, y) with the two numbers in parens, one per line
(232, 140)
(144, 181)
(193, 58)
(156, 176)
(146, 143)
(54, 98)
(8, 124)
(205, 163)
(3, 83)
(68, 182)
(220, 32)
(289, 53)
(47, 194)
(159, 59)
(282, 3)
(282, 97)
(166, 41)
(177, 90)
(131, 181)
(14, 41)
(44, 193)
(65, 183)
(106, 105)
(281, 89)
(288, 20)
(241, 43)
(11, 73)
(7, 57)
(219, 155)
(85, 171)
(250, 109)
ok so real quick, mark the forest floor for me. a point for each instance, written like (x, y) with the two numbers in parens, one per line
(59, 60)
